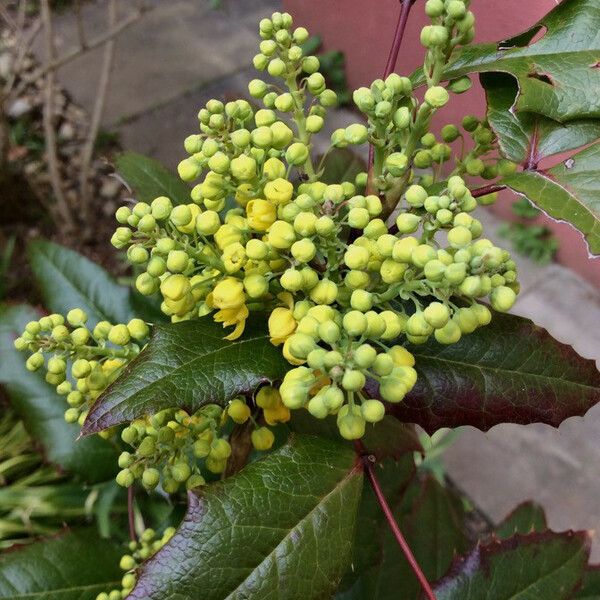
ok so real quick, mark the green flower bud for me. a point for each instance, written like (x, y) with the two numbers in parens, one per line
(138, 329)
(60, 333)
(300, 35)
(137, 255)
(177, 261)
(260, 62)
(240, 138)
(35, 361)
(328, 98)
(122, 214)
(243, 167)
(437, 96)
(315, 83)
(396, 163)
(422, 254)
(448, 334)
(262, 438)
(265, 117)
(276, 68)
(317, 407)
(150, 478)
(325, 292)
(470, 123)
(408, 222)
(76, 317)
(188, 169)
(437, 314)
(502, 298)
(257, 88)
(119, 335)
(402, 117)
(364, 356)
(356, 134)
(297, 154)
(80, 336)
(310, 64)
(372, 411)
(456, 9)
(417, 325)
(146, 284)
(352, 427)
(285, 103)
(364, 100)
(124, 478)
(450, 133)
(261, 137)
(353, 380)
(459, 237)
(161, 208)
(433, 36)
(423, 159)
(354, 323)
(304, 250)
(281, 135)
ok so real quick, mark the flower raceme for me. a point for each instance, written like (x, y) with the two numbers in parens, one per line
(349, 272)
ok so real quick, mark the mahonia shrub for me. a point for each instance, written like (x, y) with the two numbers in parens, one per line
(360, 285)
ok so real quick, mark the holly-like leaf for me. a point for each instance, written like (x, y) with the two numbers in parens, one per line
(558, 75)
(590, 588)
(567, 192)
(433, 524)
(540, 565)
(526, 518)
(69, 280)
(75, 565)
(341, 164)
(283, 525)
(525, 136)
(42, 409)
(149, 179)
(510, 371)
(189, 365)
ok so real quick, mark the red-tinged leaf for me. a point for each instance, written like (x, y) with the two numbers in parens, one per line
(510, 371)
(540, 565)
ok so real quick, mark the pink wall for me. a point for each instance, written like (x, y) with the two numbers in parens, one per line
(363, 30)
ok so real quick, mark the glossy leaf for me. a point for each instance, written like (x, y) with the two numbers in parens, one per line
(69, 280)
(75, 565)
(42, 409)
(540, 565)
(510, 371)
(188, 365)
(567, 192)
(341, 164)
(283, 525)
(558, 75)
(149, 179)
(526, 518)
(523, 135)
(433, 525)
(590, 587)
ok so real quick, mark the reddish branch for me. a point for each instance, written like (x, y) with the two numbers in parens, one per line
(405, 7)
(130, 514)
(487, 189)
(368, 462)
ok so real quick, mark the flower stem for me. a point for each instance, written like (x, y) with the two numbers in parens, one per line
(368, 462)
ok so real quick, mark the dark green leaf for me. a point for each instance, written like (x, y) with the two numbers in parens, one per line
(42, 409)
(558, 75)
(76, 565)
(367, 553)
(388, 438)
(69, 280)
(149, 179)
(510, 371)
(282, 527)
(590, 588)
(523, 135)
(540, 565)
(340, 165)
(526, 518)
(568, 192)
(433, 525)
(189, 365)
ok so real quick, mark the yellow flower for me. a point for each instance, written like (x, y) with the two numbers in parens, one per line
(279, 414)
(281, 325)
(213, 186)
(228, 293)
(227, 234)
(175, 287)
(268, 397)
(281, 235)
(234, 257)
(243, 193)
(279, 191)
(233, 316)
(401, 357)
(261, 214)
(289, 356)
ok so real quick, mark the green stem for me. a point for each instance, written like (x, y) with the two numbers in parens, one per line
(300, 120)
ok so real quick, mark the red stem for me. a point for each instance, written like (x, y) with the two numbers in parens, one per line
(132, 533)
(487, 189)
(387, 511)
